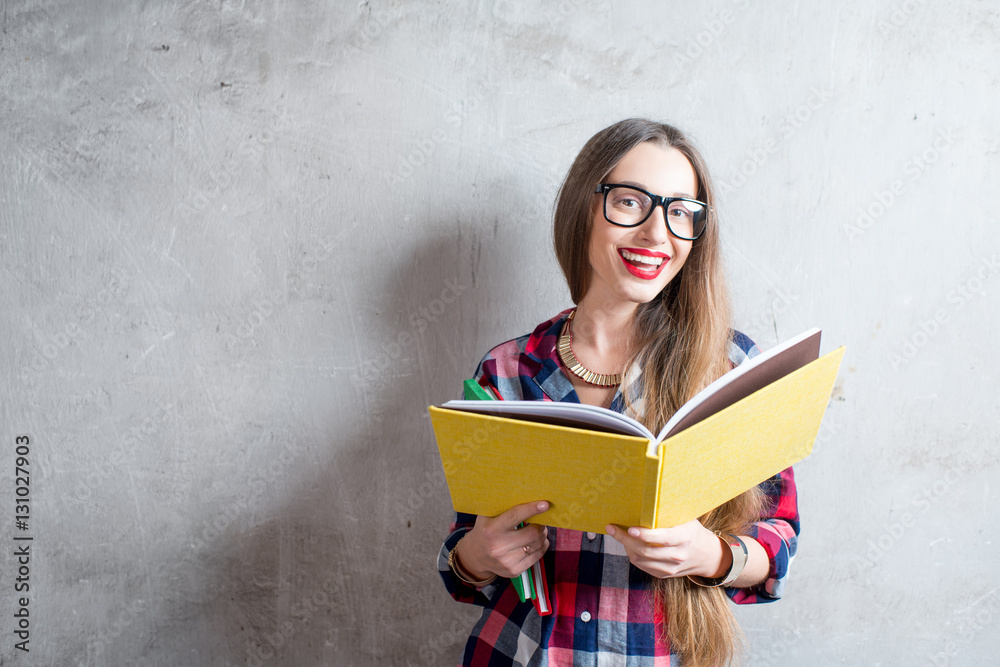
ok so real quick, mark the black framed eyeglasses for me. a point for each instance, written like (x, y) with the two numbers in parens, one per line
(629, 206)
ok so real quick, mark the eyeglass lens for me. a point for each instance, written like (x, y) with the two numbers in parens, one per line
(629, 207)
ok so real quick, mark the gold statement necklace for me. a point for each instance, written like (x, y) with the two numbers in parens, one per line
(575, 367)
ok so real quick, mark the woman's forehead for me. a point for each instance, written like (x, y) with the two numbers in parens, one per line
(662, 170)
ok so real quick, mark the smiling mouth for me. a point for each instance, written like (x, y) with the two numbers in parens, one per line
(643, 266)
(636, 258)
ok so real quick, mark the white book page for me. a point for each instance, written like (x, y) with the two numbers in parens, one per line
(572, 414)
(586, 415)
(743, 368)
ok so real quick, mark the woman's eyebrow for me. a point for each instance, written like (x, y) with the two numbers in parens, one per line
(642, 186)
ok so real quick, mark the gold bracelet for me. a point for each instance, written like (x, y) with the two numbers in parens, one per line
(457, 569)
(740, 556)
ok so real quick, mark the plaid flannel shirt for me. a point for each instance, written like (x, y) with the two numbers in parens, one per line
(603, 605)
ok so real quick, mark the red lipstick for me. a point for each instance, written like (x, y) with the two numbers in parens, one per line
(640, 269)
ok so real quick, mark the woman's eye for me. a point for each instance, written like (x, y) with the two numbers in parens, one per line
(630, 201)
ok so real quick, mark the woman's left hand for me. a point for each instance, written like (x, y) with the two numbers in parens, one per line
(687, 549)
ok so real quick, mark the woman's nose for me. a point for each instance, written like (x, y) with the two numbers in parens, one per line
(655, 227)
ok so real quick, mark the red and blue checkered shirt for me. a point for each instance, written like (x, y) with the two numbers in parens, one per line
(603, 605)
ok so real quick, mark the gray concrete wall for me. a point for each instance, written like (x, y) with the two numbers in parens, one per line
(245, 244)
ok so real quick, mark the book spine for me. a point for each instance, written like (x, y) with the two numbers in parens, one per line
(651, 490)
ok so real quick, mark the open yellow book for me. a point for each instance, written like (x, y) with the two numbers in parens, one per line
(600, 470)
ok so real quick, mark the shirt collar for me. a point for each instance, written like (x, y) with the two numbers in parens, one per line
(551, 376)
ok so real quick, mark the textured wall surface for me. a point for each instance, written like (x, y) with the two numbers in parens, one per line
(244, 245)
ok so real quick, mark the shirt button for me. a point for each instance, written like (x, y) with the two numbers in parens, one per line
(585, 617)
(591, 536)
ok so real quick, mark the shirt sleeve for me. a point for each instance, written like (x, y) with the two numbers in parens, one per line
(462, 523)
(778, 533)
(457, 588)
(778, 530)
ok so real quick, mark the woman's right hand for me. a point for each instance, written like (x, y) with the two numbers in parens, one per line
(496, 545)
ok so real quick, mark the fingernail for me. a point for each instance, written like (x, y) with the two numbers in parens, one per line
(634, 532)
(610, 529)
(542, 506)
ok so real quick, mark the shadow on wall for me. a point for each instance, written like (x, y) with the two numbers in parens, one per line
(347, 575)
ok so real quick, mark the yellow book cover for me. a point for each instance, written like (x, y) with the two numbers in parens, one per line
(595, 468)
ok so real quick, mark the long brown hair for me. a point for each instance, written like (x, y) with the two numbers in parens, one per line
(679, 341)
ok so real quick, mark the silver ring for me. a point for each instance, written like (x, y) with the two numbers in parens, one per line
(526, 549)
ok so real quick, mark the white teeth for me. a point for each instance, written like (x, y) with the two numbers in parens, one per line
(641, 259)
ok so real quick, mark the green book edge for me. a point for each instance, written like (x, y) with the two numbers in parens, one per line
(473, 391)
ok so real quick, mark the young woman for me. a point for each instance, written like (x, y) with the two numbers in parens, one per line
(637, 238)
